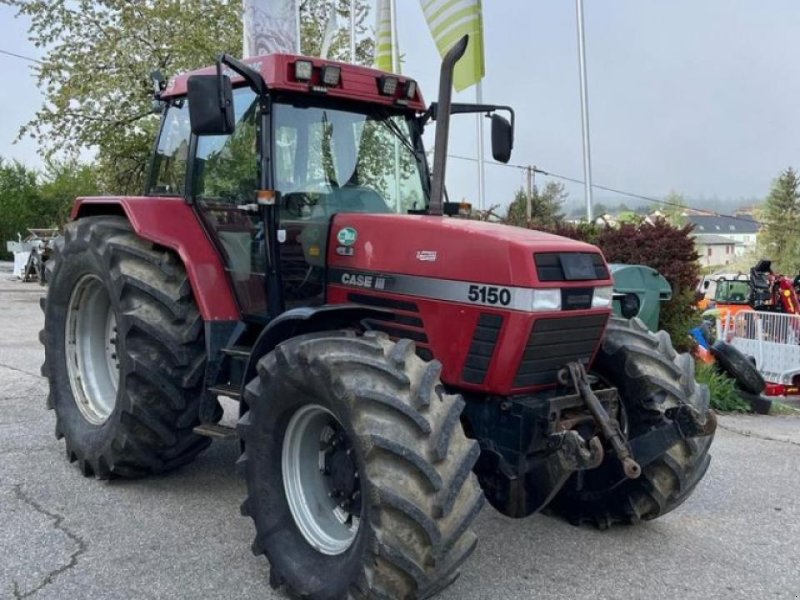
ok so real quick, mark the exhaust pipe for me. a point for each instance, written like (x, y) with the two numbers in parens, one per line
(443, 124)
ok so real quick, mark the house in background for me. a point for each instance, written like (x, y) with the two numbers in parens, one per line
(741, 230)
(714, 250)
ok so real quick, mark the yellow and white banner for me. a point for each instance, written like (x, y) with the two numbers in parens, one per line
(384, 39)
(449, 20)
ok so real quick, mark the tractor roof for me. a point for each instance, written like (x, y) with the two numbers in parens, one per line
(278, 70)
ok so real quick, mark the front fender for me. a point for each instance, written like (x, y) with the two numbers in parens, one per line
(307, 319)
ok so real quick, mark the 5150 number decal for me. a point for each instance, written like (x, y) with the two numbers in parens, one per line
(488, 294)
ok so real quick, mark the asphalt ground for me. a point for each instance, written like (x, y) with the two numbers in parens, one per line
(180, 535)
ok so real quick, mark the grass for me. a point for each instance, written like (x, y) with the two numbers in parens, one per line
(724, 395)
(779, 408)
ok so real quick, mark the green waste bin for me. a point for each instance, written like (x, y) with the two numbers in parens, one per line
(639, 292)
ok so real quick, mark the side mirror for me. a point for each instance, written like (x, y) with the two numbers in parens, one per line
(211, 104)
(502, 138)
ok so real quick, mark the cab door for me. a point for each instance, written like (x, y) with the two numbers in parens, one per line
(224, 178)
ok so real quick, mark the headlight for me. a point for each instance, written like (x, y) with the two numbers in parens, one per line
(546, 299)
(602, 297)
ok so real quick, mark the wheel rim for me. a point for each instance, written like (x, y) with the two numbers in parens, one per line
(91, 350)
(320, 480)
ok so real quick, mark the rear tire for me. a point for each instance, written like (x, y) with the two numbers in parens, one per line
(416, 492)
(651, 378)
(135, 418)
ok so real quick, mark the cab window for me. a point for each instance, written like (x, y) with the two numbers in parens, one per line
(169, 165)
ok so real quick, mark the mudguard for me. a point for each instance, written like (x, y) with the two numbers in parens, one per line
(171, 222)
(307, 319)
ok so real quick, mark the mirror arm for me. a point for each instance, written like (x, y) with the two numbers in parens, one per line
(461, 108)
(250, 75)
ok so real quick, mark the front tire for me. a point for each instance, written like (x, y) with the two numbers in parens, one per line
(124, 351)
(401, 476)
(651, 378)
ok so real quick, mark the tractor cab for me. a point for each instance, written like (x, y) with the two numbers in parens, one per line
(269, 150)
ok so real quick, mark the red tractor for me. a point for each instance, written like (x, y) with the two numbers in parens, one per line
(394, 365)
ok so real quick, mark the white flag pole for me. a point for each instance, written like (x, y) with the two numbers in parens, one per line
(481, 173)
(299, 49)
(395, 69)
(353, 31)
(587, 153)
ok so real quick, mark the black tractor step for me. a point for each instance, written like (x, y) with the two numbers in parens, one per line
(217, 432)
(238, 351)
(228, 390)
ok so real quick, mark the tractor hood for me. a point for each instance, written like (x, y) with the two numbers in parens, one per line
(462, 250)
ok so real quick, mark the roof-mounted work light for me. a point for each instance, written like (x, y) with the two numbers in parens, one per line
(411, 89)
(331, 75)
(303, 70)
(387, 85)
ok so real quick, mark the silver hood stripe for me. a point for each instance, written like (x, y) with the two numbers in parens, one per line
(466, 292)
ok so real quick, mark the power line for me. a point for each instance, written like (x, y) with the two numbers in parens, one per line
(21, 56)
(706, 212)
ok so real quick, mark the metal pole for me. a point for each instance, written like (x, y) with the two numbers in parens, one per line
(395, 69)
(352, 31)
(587, 153)
(481, 172)
(529, 197)
(298, 29)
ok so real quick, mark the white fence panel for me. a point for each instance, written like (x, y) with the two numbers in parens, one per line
(772, 338)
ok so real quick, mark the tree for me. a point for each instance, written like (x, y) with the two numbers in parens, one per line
(40, 200)
(19, 196)
(545, 207)
(95, 72)
(314, 16)
(781, 218)
(62, 182)
(674, 208)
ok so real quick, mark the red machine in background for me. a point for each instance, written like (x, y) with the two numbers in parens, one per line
(773, 292)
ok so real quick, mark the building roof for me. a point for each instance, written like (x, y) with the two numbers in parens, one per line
(707, 239)
(723, 225)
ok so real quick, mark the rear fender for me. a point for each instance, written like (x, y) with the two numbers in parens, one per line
(171, 222)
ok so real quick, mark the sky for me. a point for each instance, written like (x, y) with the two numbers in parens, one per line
(693, 96)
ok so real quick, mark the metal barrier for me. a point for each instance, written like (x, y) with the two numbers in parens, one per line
(772, 338)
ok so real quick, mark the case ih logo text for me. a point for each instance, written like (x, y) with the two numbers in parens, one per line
(365, 281)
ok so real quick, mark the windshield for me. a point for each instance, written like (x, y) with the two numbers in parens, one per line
(328, 160)
(732, 292)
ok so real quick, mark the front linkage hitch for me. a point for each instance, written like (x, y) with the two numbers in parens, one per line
(530, 445)
(684, 422)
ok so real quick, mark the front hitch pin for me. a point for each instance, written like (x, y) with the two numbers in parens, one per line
(609, 428)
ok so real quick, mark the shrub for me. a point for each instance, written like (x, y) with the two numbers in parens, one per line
(724, 394)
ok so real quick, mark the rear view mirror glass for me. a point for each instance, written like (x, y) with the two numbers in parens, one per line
(210, 104)
(502, 138)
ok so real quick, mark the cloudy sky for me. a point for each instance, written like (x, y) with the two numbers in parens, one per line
(696, 96)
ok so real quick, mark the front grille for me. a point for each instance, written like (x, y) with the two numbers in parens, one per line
(570, 266)
(484, 340)
(555, 342)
